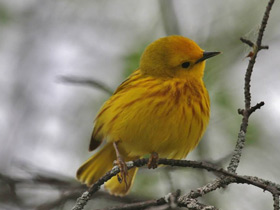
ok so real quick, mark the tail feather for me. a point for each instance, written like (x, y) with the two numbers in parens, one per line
(119, 189)
(99, 164)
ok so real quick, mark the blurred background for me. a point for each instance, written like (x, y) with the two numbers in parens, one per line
(48, 49)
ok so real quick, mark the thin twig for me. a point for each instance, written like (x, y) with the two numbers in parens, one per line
(58, 202)
(139, 205)
(86, 82)
(193, 204)
(264, 22)
(68, 188)
(264, 47)
(252, 109)
(218, 182)
(276, 201)
(247, 41)
(263, 181)
(247, 94)
(166, 202)
(257, 106)
(82, 201)
(252, 61)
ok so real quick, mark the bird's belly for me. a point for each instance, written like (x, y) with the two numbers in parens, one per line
(171, 131)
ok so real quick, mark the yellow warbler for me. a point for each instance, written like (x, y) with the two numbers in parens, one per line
(162, 108)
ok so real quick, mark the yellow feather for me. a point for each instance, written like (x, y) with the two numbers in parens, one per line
(162, 107)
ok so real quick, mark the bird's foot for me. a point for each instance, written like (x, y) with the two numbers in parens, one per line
(123, 170)
(153, 161)
(122, 166)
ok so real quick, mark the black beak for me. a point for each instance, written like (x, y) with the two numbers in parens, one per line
(207, 55)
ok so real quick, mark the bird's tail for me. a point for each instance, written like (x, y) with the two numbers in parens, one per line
(100, 163)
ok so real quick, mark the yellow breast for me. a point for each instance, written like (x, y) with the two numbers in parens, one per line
(148, 114)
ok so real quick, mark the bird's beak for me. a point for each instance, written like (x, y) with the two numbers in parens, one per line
(207, 55)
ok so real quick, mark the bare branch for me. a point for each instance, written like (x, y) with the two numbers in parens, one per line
(166, 202)
(246, 41)
(264, 23)
(68, 188)
(276, 201)
(227, 178)
(252, 109)
(257, 106)
(238, 148)
(217, 183)
(193, 204)
(252, 61)
(60, 201)
(264, 47)
(263, 181)
(82, 201)
(86, 82)
(139, 205)
(247, 94)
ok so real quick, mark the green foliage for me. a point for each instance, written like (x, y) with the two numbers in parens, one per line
(5, 15)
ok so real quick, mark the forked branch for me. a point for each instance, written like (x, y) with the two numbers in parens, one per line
(248, 110)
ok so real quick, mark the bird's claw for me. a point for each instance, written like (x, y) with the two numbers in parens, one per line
(123, 170)
(153, 161)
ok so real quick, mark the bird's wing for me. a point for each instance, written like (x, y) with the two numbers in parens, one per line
(97, 134)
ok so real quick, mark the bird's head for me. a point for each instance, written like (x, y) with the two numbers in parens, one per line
(174, 56)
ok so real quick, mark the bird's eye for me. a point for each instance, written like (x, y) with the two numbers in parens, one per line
(185, 64)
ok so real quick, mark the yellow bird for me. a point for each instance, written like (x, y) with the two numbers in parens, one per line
(161, 109)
